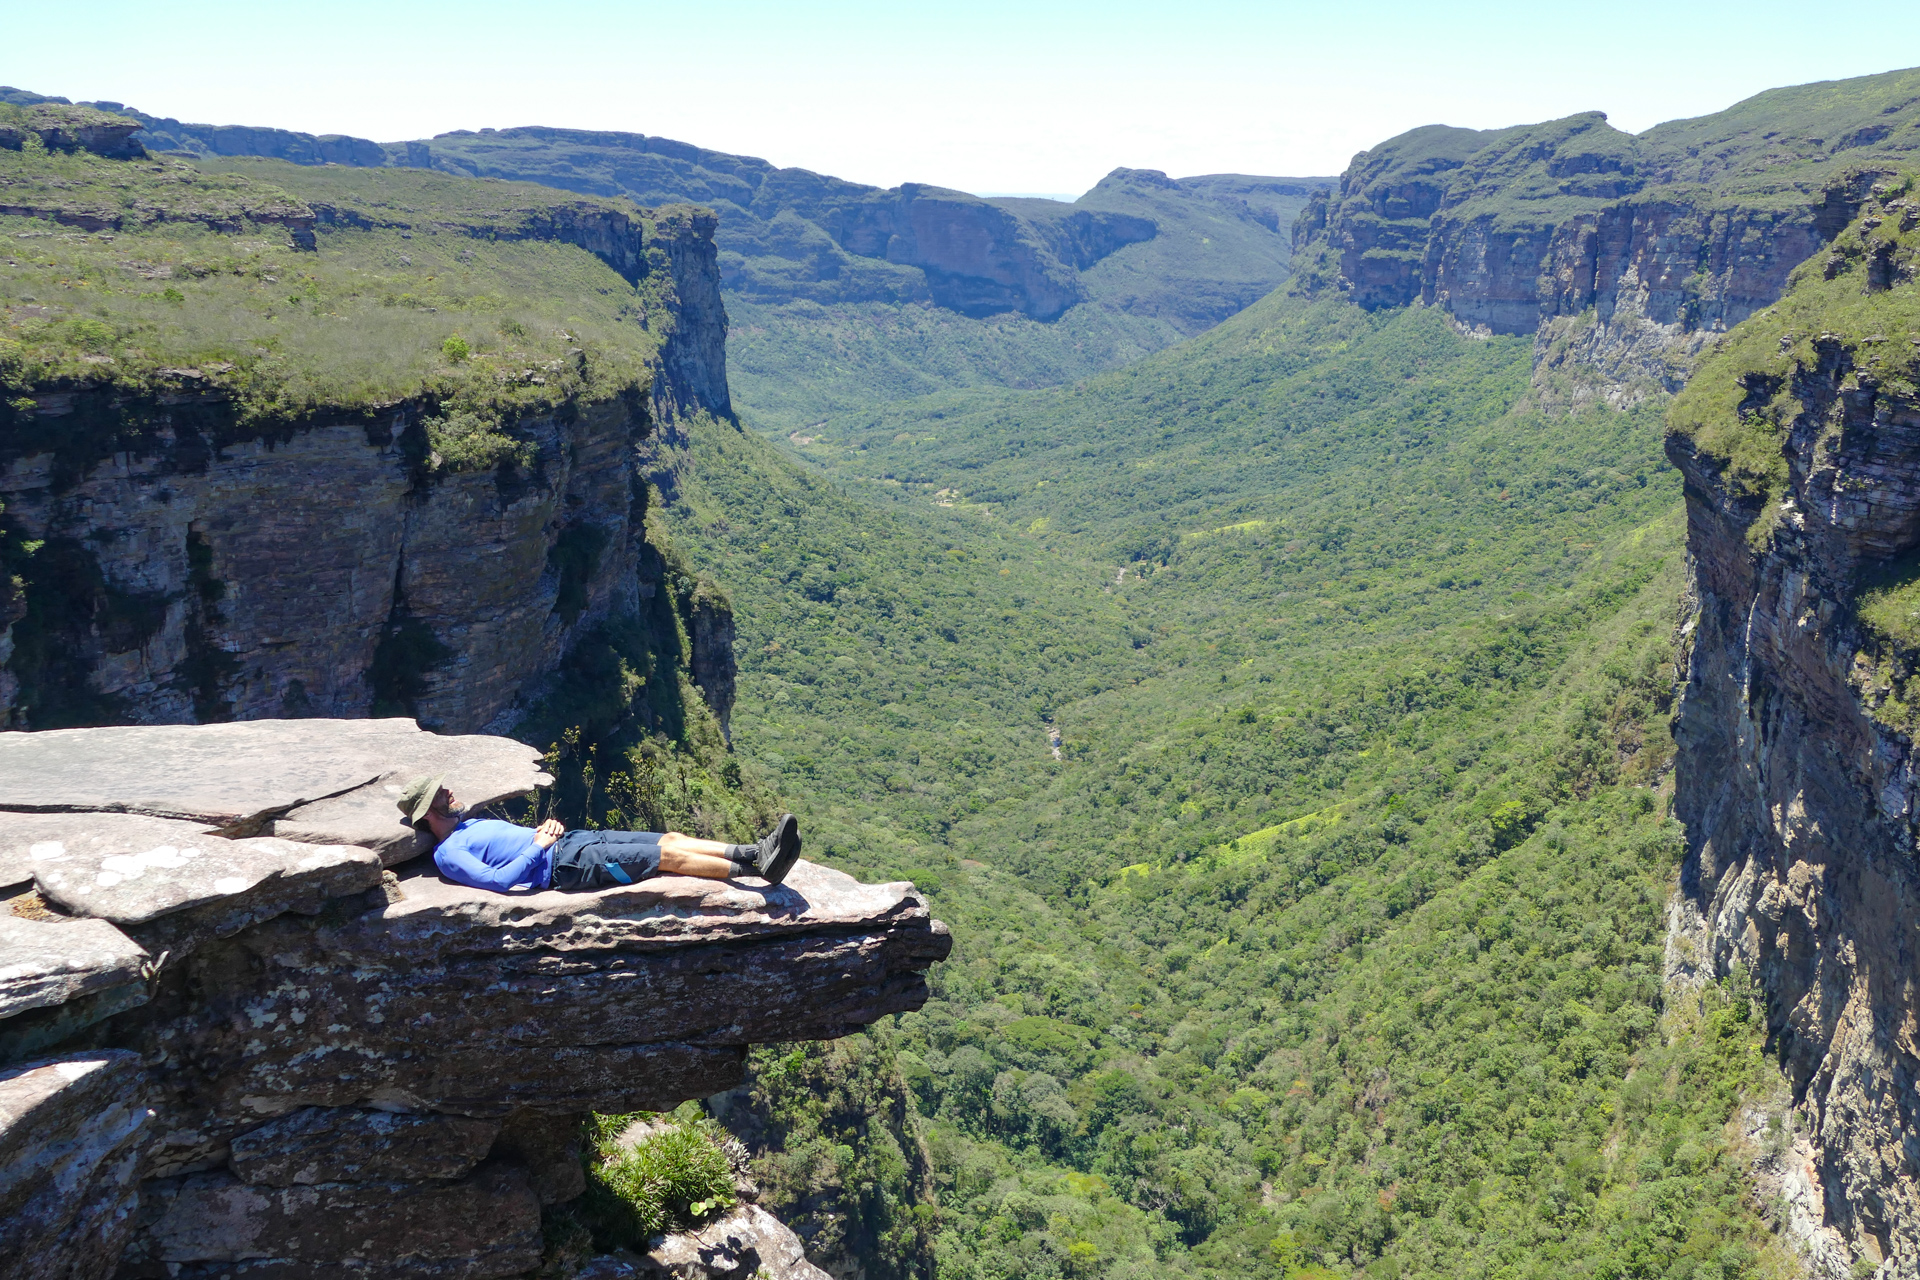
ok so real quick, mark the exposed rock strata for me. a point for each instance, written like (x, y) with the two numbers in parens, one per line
(446, 592)
(1623, 253)
(379, 1076)
(1801, 806)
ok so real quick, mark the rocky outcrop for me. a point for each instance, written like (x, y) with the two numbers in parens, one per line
(1622, 253)
(70, 1163)
(693, 360)
(1797, 775)
(386, 1075)
(73, 129)
(746, 1244)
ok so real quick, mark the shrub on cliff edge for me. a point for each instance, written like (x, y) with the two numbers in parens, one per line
(673, 1178)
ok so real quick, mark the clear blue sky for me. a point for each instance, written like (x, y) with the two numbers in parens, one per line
(985, 95)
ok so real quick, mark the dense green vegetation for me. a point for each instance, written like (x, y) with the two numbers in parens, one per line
(1333, 944)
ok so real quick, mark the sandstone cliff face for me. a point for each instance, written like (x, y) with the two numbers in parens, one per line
(314, 1067)
(218, 572)
(1623, 253)
(1797, 776)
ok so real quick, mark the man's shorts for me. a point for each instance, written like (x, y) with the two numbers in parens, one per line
(586, 860)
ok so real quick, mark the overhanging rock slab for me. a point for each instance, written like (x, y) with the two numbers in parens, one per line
(460, 1000)
(480, 770)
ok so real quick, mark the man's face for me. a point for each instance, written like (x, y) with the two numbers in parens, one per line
(443, 803)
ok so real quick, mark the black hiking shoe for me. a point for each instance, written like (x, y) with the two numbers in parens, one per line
(779, 850)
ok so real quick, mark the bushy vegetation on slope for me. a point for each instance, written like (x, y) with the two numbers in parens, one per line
(1333, 944)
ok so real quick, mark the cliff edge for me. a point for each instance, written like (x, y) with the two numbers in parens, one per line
(234, 1042)
(1797, 776)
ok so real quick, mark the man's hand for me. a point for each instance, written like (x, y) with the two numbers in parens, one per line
(547, 832)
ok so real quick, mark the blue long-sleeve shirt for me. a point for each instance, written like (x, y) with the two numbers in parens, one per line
(490, 854)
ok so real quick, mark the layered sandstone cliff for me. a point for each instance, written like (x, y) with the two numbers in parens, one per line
(261, 1053)
(1623, 253)
(1797, 776)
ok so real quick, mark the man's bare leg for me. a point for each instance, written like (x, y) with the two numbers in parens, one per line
(684, 855)
(704, 865)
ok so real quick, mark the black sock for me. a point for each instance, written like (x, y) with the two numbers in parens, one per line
(739, 851)
(746, 867)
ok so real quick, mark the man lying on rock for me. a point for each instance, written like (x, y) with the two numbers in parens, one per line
(487, 853)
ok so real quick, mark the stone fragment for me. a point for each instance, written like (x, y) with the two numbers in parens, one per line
(133, 870)
(481, 771)
(747, 1244)
(348, 1144)
(239, 776)
(486, 1224)
(70, 1151)
(50, 962)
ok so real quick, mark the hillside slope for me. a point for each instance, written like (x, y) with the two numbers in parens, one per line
(1333, 941)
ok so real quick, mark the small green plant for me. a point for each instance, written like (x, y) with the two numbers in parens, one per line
(669, 1180)
(466, 441)
(455, 349)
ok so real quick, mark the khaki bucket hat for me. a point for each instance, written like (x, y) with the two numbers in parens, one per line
(418, 796)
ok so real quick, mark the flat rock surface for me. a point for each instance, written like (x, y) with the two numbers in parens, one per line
(132, 869)
(481, 771)
(21, 834)
(46, 963)
(439, 917)
(238, 775)
(71, 1134)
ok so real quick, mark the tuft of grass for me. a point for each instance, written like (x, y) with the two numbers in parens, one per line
(672, 1179)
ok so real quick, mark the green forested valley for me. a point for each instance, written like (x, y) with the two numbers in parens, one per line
(1331, 944)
